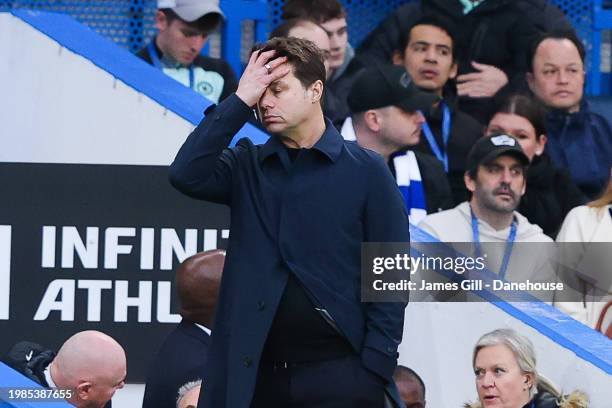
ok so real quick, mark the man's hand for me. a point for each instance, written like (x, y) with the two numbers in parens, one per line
(260, 72)
(485, 83)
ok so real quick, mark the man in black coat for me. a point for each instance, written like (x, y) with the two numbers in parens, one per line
(182, 356)
(428, 52)
(89, 367)
(290, 326)
(386, 117)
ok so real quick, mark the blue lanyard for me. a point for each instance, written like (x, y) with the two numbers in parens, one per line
(509, 243)
(157, 63)
(446, 127)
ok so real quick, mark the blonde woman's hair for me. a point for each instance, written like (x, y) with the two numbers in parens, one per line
(523, 351)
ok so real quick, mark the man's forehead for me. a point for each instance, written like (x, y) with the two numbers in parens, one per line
(334, 24)
(284, 81)
(312, 33)
(184, 26)
(557, 49)
(427, 32)
(505, 159)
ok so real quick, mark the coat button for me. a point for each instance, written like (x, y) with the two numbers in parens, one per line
(390, 350)
(261, 305)
(247, 362)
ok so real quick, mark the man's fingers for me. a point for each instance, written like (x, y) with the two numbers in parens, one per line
(474, 76)
(279, 72)
(253, 57)
(466, 89)
(264, 57)
(276, 62)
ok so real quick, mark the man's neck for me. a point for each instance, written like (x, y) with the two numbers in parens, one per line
(497, 220)
(306, 134)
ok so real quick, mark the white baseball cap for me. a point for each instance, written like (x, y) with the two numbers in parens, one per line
(191, 10)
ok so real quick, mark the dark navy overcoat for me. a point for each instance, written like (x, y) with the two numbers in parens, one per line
(308, 218)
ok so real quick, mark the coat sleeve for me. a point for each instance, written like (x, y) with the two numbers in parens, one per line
(386, 220)
(204, 166)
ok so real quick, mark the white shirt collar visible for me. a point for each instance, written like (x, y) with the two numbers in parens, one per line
(48, 376)
(206, 329)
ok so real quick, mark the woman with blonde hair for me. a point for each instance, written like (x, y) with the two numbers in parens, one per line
(504, 363)
(591, 223)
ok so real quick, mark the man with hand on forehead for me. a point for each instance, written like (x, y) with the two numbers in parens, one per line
(289, 317)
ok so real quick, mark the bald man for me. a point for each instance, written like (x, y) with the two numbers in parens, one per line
(182, 356)
(410, 386)
(91, 364)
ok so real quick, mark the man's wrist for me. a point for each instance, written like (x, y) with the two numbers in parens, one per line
(247, 101)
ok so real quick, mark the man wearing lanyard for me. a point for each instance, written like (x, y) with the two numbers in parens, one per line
(184, 27)
(428, 53)
(496, 179)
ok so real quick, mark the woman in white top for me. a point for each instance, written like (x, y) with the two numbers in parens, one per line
(592, 223)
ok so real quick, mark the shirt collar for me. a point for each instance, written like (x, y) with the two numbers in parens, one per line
(48, 378)
(204, 328)
(330, 144)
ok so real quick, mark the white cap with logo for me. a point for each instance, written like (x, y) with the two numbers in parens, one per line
(191, 10)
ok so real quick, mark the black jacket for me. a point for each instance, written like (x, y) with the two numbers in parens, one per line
(497, 32)
(308, 219)
(465, 131)
(550, 195)
(581, 142)
(438, 193)
(180, 359)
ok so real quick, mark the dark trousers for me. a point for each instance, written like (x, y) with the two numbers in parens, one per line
(341, 383)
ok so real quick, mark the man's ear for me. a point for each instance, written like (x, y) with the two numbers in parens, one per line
(316, 91)
(83, 390)
(161, 21)
(372, 120)
(470, 183)
(453, 71)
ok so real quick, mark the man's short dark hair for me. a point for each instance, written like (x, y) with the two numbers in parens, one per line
(283, 29)
(318, 10)
(435, 21)
(555, 35)
(401, 372)
(206, 24)
(303, 55)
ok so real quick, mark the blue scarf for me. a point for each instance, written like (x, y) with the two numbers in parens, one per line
(408, 177)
